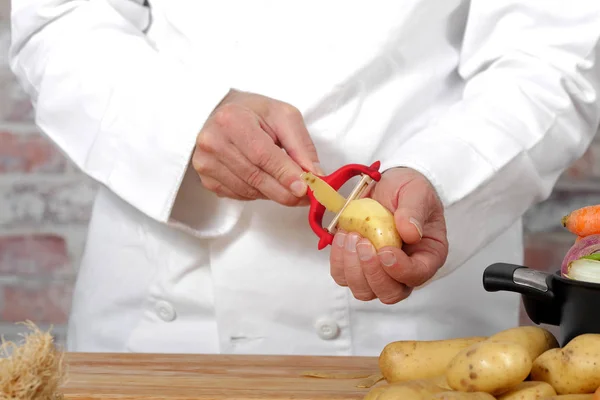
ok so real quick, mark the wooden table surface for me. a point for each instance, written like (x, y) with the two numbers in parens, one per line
(174, 376)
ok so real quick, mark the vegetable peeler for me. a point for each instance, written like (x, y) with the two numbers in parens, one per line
(336, 180)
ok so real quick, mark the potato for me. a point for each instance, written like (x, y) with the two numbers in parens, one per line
(490, 366)
(574, 369)
(409, 360)
(537, 340)
(569, 397)
(371, 220)
(365, 216)
(420, 389)
(462, 396)
(374, 393)
(529, 390)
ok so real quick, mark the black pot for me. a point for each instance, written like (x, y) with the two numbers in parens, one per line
(550, 299)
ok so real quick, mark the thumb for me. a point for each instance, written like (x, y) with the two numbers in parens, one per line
(294, 138)
(412, 211)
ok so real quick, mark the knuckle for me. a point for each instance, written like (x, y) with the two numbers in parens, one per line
(226, 115)
(256, 178)
(213, 186)
(363, 295)
(259, 156)
(208, 142)
(289, 110)
(201, 165)
(393, 299)
(250, 193)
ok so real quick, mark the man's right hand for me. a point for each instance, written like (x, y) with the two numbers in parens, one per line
(240, 150)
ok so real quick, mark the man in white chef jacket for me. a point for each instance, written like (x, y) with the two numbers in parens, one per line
(199, 240)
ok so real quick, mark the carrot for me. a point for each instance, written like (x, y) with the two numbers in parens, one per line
(596, 394)
(584, 221)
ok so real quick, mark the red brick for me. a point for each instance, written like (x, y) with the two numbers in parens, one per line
(28, 255)
(29, 153)
(62, 201)
(42, 303)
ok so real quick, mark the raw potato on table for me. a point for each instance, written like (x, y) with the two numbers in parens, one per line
(529, 390)
(491, 366)
(462, 396)
(409, 360)
(535, 339)
(574, 369)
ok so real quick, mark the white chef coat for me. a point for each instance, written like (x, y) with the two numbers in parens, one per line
(490, 100)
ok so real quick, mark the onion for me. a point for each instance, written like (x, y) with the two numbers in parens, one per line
(584, 270)
(582, 261)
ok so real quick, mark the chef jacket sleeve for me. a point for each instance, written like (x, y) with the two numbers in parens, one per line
(126, 113)
(529, 109)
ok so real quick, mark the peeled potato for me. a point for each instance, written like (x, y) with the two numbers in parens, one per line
(408, 359)
(529, 390)
(365, 216)
(489, 366)
(574, 369)
(371, 220)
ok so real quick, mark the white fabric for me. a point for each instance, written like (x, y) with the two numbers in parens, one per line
(491, 101)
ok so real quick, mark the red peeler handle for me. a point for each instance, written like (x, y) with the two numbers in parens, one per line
(336, 180)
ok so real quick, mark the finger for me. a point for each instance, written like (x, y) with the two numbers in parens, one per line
(258, 147)
(218, 178)
(218, 189)
(288, 125)
(352, 269)
(388, 290)
(412, 211)
(256, 177)
(336, 259)
(412, 271)
(242, 128)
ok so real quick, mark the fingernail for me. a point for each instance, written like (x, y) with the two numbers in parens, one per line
(365, 251)
(339, 239)
(298, 188)
(351, 243)
(417, 225)
(387, 258)
(318, 169)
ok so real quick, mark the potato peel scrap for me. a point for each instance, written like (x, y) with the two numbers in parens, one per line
(336, 375)
(369, 381)
(32, 369)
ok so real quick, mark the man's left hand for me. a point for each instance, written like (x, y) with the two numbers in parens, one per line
(392, 273)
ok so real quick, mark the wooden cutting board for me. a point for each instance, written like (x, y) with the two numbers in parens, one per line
(174, 377)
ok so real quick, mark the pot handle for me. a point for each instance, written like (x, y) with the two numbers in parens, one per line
(534, 286)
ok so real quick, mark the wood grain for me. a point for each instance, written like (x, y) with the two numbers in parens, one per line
(184, 377)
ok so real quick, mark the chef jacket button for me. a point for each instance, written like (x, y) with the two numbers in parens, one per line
(165, 311)
(327, 328)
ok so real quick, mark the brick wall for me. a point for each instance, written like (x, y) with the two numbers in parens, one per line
(45, 204)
